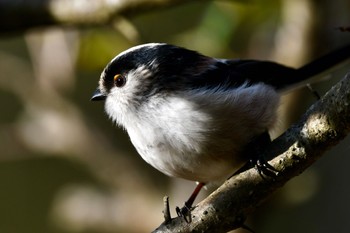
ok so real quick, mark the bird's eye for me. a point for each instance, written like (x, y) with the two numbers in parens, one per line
(119, 80)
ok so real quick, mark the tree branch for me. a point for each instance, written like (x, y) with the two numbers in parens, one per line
(20, 15)
(324, 125)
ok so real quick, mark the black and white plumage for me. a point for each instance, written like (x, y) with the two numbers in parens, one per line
(191, 116)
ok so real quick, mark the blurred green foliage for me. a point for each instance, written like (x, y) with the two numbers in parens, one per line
(28, 189)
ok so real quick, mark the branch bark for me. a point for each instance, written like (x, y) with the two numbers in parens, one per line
(20, 15)
(324, 125)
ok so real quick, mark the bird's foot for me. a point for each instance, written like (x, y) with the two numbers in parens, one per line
(184, 212)
(263, 167)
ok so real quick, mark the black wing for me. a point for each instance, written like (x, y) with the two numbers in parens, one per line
(233, 73)
(271, 73)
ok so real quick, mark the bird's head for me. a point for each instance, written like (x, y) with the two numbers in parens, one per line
(144, 71)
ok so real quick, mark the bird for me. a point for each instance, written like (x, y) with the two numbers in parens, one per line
(193, 116)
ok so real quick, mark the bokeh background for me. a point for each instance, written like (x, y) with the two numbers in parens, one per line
(66, 168)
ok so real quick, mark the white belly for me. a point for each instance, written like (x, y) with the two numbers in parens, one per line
(188, 164)
(194, 139)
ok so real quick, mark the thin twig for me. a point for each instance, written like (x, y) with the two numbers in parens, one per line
(166, 210)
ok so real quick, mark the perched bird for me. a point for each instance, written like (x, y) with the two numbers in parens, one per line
(192, 116)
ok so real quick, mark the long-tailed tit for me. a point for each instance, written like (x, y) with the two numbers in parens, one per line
(192, 116)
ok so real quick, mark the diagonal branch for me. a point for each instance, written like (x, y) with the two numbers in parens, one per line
(324, 125)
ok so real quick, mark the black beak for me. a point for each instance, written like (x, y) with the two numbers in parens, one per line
(97, 95)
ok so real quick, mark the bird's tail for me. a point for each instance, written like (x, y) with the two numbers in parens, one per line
(310, 73)
(325, 62)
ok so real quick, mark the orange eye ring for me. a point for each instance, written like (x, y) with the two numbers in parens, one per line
(119, 80)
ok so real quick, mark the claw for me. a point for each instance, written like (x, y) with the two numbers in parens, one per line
(264, 168)
(255, 151)
(184, 212)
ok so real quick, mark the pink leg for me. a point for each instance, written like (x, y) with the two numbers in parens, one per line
(193, 196)
(186, 210)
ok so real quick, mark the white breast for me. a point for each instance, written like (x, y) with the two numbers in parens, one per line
(199, 135)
